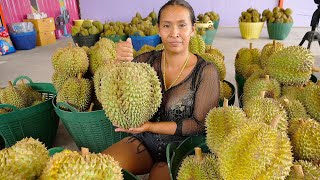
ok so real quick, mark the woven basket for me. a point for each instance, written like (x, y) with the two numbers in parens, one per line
(175, 153)
(39, 121)
(250, 30)
(92, 130)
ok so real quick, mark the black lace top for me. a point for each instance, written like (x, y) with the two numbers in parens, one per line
(188, 102)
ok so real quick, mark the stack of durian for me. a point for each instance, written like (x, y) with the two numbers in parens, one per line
(29, 159)
(20, 96)
(87, 28)
(251, 15)
(278, 15)
(208, 16)
(129, 93)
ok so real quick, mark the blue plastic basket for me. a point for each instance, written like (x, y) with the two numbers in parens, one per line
(24, 41)
(139, 41)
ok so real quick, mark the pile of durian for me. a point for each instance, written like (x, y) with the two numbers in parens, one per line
(208, 16)
(278, 15)
(20, 96)
(128, 92)
(29, 159)
(87, 28)
(251, 15)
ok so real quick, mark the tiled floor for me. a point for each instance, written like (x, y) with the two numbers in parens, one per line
(36, 63)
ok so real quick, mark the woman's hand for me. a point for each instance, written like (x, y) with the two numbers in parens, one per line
(124, 51)
(145, 127)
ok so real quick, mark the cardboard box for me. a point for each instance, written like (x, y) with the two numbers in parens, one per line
(42, 25)
(45, 38)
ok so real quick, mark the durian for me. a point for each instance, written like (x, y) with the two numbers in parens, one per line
(218, 62)
(197, 45)
(312, 100)
(305, 135)
(268, 50)
(304, 170)
(130, 94)
(294, 108)
(12, 95)
(291, 66)
(199, 167)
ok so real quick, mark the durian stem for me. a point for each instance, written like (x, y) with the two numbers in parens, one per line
(198, 154)
(225, 102)
(91, 107)
(315, 69)
(10, 83)
(275, 121)
(77, 45)
(22, 81)
(262, 94)
(298, 171)
(274, 43)
(70, 44)
(267, 77)
(286, 101)
(79, 76)
(250, 45)
(84, 151)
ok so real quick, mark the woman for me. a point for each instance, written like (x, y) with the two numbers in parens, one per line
(190, 88)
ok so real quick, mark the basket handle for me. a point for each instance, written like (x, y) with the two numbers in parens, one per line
(9, 106)
(22, 77)
(63, 104)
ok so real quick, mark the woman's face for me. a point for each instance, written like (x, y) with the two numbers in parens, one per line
(175, 28)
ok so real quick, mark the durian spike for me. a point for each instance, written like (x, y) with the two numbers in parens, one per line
(297, 169)
(77, 45)
(84, 151)
(274, 45)
(91, 107)
(286, 101)
(10, 83)
(315, 69)
(225, 102)
(250, 45)
(79, 76)
(275, 121)
(262, 94)
(267, 77)
(69, 44)
(198, 154)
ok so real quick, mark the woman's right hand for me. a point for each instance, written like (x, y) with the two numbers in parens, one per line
(124, 50)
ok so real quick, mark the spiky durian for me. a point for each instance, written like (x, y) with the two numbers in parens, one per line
(28, 93)
(76, 92)
(102, 53)
(245, 57)
(197, 45)
(312, 100)
(130, 94)
(24, 160)
(225, 90)
(199, 167)
(293, 107)
(220, 122)
(302, 170)
(99, 74)
(71, 61)
(291, 66)
(58, 79)
(293, 92)
(268, 50)
(218, 61)
(70, 165)
(212, 50)
(145, 48)
(12, 95)
(253, 88)
(265, 109)
(305, 135)
(255, 151)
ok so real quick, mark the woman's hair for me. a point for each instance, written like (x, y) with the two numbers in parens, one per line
(181, 3)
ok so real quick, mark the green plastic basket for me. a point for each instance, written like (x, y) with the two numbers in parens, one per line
(232, 98)
(116, 38)
(279, 31)
(313, 78)
(126, 174)
(216, 24)
(39, 121)
(240, 80)
(176, 153)
(92, 130)
(210, 35)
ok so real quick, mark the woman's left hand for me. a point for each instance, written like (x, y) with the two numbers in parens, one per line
(145, 127)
